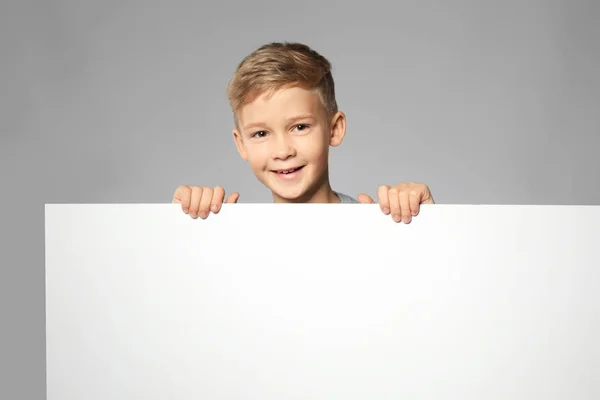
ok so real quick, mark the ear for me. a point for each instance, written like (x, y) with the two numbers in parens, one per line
(239, 144)
(338, 129)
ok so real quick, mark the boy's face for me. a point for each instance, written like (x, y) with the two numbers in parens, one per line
(285, 137)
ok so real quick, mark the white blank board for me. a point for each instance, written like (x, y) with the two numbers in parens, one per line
(321, 301)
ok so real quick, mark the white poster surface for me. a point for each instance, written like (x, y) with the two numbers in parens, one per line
(265, 301)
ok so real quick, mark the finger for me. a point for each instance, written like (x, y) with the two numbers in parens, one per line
(217, 199)
(405, 206)
(394, 200)
(365, 199)
(182, 196)
(195, 201)
(414, 200)
(205, 202)
(384, 202)
(233, 198)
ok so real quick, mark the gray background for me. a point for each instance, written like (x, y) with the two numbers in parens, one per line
(122, 101)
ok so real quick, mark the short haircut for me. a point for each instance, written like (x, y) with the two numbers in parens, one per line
(279, 65)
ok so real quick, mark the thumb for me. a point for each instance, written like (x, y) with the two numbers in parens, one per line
(428, 199)
(180, 193)
(365, 199)
(233, 198)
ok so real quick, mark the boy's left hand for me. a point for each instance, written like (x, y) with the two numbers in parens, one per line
(401, 201)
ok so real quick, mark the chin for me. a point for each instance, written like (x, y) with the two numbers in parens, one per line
(294, 190)
(292, 195)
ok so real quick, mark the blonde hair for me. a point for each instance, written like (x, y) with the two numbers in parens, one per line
(277, 65)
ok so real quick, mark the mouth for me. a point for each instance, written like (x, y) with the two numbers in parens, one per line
(287, 171)
(289, 174)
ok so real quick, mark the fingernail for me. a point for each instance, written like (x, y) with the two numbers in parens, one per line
(185, 210)
(214, 207)
(406, 220)
(203, 215)
(386, 210)
(414, 213)
(397, 218)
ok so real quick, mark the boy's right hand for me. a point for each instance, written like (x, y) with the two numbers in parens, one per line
(199, 201)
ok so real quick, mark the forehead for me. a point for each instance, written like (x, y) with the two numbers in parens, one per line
(282, 104)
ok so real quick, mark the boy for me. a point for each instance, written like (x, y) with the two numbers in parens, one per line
(286, 117)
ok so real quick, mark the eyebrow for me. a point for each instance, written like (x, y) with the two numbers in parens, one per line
(287, 121)
(299, 117)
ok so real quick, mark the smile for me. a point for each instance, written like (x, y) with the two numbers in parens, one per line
(288, 173)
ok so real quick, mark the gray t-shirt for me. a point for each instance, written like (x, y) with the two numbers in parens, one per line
(345, 199)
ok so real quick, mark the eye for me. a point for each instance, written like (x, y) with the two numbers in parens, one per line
(259, 134)
(301, 127)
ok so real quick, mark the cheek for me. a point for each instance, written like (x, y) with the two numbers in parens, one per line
(316, 149)
(257, 156)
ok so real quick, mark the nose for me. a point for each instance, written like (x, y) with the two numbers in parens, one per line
(283, 148)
